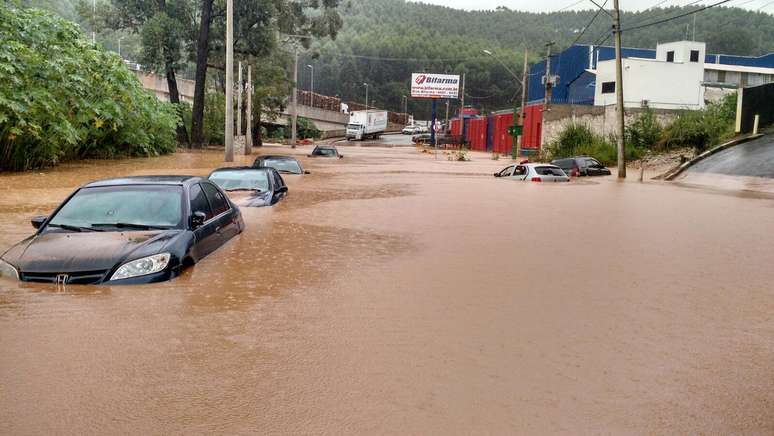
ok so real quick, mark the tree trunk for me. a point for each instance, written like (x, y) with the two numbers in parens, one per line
(174, 97)
(202, 52)
(257, 138)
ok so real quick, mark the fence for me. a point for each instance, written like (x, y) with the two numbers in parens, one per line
(757, 100)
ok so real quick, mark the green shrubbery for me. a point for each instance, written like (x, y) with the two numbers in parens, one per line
(698, 129)
(62, 98)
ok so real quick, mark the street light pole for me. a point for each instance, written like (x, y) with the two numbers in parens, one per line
(93, 21)
(239, 102)
(366, 86)
(312, 85)
(249, 91)
(523, 111)
(229, 128)
(119, 46)
(294, 115)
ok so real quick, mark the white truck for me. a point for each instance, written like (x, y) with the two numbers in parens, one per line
(365, 124)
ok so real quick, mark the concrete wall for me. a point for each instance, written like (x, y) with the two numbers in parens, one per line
(665, 85)
(158, 85)
(601, 120)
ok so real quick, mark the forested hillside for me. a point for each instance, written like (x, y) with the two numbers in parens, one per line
(384, 41)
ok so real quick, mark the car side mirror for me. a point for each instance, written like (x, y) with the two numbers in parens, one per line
(197, 219)
(341, 156)
(283, 189)
(497, 174)
(308, 155)
(38, 221)
(307, 172)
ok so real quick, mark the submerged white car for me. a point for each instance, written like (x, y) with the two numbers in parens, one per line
(534, 172)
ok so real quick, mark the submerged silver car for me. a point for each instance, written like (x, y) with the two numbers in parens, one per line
(534, 172)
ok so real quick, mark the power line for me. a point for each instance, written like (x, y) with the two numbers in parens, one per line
(590, 23)
(704, 8)
(571, 5)
(766, 5)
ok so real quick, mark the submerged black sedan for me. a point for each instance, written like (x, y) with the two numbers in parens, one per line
(283, 164)
(126, 231)
(251, 187)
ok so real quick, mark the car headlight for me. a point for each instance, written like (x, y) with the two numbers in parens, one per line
(8, 270)
(142, 267)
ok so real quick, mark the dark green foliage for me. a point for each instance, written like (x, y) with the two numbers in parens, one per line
(62, 98)
(645, 131)
(702, 129)
(579, 140)
(439, 39)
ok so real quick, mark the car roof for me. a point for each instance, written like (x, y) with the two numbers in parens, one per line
(145, 180)
(242, 169)
(538, 164)
(275, 157)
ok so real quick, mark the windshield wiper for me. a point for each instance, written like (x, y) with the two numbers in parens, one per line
(131, 226)
(243, 189)
(74, 228)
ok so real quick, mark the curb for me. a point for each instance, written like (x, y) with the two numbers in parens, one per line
(671, 174)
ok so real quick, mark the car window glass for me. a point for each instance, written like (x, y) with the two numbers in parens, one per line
(278, 182)
(141, 205)
(199, 201)
(520, 170)
(252, 178)
(506, 172)
(283, 165)
(593, 163)
(549, 171)
(216, 199)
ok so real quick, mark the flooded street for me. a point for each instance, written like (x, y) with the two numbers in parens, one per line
(393, 292)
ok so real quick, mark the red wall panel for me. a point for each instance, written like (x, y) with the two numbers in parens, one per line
(532, 127)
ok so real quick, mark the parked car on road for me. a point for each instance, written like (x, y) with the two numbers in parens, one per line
(325, 151)
(534, 172)
(582, 166)
(251, 187)
(410, 130)
(283, 164)
(126, 231)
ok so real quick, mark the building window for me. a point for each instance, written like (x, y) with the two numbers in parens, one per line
(670, 56)
(721, 76)
(694, 55)
(745, 79)
(608, 87)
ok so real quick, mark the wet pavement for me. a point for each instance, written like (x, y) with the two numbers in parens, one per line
(397, 292)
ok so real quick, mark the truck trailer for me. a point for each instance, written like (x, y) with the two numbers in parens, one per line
(366, 124)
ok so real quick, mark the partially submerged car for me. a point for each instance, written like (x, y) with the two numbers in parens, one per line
(410, 130)
(581, 166)
(283, 164)
(126, 231)
(249, 186)
(534, 172)
(325, 151)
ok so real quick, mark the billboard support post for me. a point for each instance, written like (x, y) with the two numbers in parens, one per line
(432, 127)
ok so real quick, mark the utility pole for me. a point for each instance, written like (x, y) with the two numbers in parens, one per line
(523, 111)
(462, 113)
(294, 115)
(239, 101)
(619, 93)
(548, 78)
(229, 130)
(249, 90)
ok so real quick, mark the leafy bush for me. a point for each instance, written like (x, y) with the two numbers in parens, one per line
(702, 129)
(579, 140)
(644, 132)
(62, 98)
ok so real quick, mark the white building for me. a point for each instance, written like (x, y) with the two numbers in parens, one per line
(674, 80)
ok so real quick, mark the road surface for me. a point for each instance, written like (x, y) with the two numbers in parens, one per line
(395, 292)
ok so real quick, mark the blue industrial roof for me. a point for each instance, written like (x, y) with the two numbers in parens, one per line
(573, 62)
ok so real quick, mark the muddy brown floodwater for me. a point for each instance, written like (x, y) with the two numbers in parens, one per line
(395, 293)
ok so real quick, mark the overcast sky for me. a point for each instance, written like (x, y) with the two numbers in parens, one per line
(553, 5)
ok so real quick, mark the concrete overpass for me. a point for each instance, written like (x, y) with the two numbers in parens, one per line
(330, 123)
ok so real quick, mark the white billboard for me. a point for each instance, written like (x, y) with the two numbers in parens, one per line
(426, 85)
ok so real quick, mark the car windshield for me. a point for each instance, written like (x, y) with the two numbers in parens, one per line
(124, 206)
(353, 126)
(232, 180)
(324, 152)
(288, 165)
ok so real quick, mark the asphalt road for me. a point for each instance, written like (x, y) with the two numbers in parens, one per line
(751, 159)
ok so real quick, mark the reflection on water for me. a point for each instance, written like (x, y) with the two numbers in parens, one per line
(395, 293)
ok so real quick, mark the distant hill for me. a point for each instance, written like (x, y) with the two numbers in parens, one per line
(421, 37)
